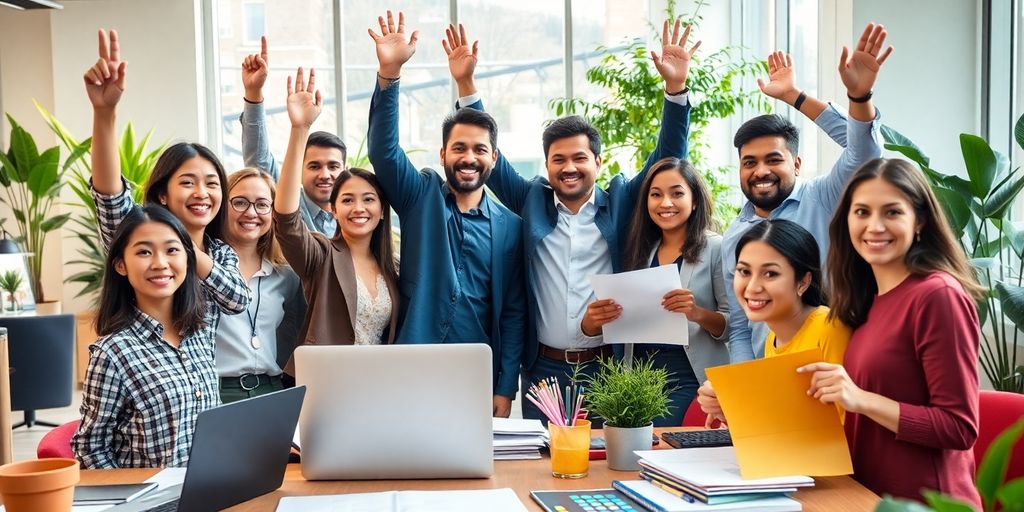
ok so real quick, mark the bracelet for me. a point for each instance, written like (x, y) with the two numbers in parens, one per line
(863, 99)
(799, 100)
(388, 79)
(680, 93)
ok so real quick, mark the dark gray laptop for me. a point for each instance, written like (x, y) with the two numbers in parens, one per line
(239, 452)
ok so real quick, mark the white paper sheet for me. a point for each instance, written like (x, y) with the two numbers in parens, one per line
(168, 477)
(643, 319)
(491, 500)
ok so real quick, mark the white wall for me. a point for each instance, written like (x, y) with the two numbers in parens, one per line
(43, 55)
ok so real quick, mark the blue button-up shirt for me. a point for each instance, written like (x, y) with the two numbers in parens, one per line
(811, 204)
(469, 237)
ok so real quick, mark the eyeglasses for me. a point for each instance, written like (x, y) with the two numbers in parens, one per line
(241, 204)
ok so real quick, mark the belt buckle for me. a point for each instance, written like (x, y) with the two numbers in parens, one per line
(565, 355)
(241, 381)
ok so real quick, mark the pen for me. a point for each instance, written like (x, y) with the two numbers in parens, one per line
(673, 491)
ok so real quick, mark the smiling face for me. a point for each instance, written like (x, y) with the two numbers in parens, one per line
(155, 263)
(321, 166)
(882, 224)
(766, 284)
(768, 172)
(248, 225)
(670, 201)
(194, 194)
(468, 158)
(572, 168)
(357, 209)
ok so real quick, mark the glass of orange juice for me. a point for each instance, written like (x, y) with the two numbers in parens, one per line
(570, 449)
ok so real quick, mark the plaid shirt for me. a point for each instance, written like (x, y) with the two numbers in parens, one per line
(142, 396)
(224, 286)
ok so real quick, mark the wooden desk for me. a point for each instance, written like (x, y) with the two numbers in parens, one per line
(832, 494)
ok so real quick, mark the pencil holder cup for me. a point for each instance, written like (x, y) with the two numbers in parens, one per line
(42, 484)
(570, 449)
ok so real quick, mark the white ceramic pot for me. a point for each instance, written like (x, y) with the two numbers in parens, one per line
(622, 442)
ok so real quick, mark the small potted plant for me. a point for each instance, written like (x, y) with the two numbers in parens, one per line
(10, 282)
(628, 398)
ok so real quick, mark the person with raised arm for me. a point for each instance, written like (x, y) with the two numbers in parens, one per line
(769, 165)
(461, 266)
(572, 228)
(350, 279)
(187, 179)
(322, 161)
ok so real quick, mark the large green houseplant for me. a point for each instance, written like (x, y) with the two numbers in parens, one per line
(137, 162)
(978, 210)
(32, 182)
(628, 396)
(627, 117)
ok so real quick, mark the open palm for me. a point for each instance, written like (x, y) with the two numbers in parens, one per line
(673, 63)
(781, 76)
(304, 101)
(860, 70)
(393, 49)
(462, 57)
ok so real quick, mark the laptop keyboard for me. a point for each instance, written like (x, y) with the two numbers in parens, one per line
(170, 506)
(698, 438)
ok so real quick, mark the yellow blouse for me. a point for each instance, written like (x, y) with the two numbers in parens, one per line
(831, 336)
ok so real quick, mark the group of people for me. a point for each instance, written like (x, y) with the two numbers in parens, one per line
(216, 278)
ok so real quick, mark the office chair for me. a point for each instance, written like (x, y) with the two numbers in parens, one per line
(997, 410)
(42, 354)
(56, 444)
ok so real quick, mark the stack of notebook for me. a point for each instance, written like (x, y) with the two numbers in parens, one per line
(516, 439)
(683, 479)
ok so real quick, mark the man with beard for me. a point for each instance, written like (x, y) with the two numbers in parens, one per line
(322, 162)
(769, 166)
(574, 229)
(461, 277)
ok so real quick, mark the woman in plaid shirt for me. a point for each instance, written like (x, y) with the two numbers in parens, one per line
(187, 179)
(152, 373)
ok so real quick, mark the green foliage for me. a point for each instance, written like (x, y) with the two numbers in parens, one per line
(628, 119)
(991, 473)
(10, 281)
(978, 212)
(137, 163)
(628, 396)
(32, 182)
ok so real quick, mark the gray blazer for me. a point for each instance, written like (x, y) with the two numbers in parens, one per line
(705, 279)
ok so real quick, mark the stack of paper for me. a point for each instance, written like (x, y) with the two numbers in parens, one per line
(709, 476)
(516, 439)
(492, 500)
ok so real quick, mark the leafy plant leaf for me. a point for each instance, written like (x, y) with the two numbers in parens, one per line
(1011, 496)
(1011, 298)
(957, 210)
(981, 163)
(44, 174)
(993, 465)
(1002, 198)
(907, 147)
(890, 504)
(25, 153)
(1018, 131)
(942, 503)
(55, 222)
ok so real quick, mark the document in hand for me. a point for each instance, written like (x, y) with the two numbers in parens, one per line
(776, 428)
(643, 318)
(491, 500)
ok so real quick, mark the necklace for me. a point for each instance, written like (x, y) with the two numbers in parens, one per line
(255, 340)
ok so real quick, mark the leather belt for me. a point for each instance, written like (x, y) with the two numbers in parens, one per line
(576, 356)
(248, 381)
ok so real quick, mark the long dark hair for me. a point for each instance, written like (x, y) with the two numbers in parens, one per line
(795, 244)
(644, 234)
(852, 281)
(170, 161)
(266, 246)
(117, 299)
(381, 245)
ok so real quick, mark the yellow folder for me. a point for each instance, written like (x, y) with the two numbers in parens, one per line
(776, 428)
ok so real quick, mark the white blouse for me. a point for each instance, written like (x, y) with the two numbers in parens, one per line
(372, 315)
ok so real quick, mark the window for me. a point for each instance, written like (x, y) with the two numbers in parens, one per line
(255, 21)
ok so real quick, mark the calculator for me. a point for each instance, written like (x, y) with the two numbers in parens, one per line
(597, 500)
(698, 438)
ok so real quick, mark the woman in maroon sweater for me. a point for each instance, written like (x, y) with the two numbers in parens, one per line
(909, 382)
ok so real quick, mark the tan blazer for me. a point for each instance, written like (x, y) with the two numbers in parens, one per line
(329, 283)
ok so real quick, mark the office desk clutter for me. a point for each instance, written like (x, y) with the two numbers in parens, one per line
(491, 500)
(516, 439)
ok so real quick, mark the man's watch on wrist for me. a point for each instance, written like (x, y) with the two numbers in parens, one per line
(678, 93)
(861, 99)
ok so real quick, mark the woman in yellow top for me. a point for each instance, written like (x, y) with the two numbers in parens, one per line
(778, 282)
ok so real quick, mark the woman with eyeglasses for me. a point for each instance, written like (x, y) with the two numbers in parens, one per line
(252, 347)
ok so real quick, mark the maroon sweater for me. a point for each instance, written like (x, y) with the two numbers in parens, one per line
(918, 347)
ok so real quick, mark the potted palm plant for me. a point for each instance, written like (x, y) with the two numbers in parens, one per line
(10, 282)
(628, 397)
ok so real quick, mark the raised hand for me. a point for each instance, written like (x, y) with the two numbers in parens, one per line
(304, 100)
(781, 81)
(104, 81)
(461, 57)
(674, 61)
(858, 71)
(254, 73)
(393, 50)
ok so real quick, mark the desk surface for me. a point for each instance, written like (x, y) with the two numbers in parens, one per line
(831, 494)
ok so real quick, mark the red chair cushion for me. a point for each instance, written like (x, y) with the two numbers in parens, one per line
(997, 411)
(57, 442)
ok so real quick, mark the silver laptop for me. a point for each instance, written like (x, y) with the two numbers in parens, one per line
(395, 411)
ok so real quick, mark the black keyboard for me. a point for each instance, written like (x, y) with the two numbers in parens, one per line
(170, 506)
(698, 438)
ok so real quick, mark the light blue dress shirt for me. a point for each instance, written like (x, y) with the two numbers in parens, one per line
(811, 204)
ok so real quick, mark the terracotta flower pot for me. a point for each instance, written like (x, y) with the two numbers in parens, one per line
(36, 485)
